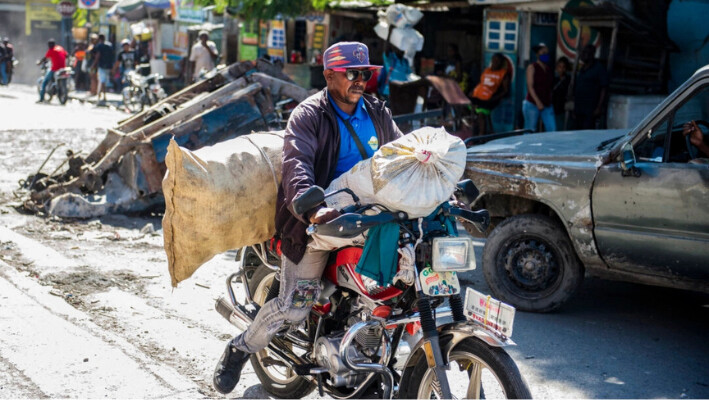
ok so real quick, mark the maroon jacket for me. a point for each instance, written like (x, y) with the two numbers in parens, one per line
(310, 154)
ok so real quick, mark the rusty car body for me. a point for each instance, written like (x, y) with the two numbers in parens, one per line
(619, 204)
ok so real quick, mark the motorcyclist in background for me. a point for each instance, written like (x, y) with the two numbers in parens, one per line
(57, 55)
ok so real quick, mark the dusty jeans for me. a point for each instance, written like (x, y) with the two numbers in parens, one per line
(300, 288)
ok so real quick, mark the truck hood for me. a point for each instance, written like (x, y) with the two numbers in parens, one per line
(584, 145)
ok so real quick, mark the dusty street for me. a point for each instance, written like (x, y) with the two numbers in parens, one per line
(86, 307)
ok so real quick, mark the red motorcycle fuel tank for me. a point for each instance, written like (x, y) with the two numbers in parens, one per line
(342, 273)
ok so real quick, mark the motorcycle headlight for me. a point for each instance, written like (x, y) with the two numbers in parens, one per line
(453, 254)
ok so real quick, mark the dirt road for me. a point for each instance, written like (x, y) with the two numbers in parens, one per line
(86, 307)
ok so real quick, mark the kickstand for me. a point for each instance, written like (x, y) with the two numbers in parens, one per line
(320, 390)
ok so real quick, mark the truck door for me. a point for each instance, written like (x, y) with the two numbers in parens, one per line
(657, 223)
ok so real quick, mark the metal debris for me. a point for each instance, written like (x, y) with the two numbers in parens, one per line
(124, 172)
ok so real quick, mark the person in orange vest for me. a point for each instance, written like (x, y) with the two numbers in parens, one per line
(494, 85)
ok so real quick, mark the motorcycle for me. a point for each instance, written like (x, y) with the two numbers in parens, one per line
(59, 85)
(142, 90)
(402, 340)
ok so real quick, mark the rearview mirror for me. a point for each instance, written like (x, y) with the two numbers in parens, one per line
(466, 191)
(627, 162)
(310, 199)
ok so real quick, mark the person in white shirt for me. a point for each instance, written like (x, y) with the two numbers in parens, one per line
(203, 54)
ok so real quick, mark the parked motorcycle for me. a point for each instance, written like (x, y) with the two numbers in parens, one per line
(402, 340)
(59, 85)
(142, 90)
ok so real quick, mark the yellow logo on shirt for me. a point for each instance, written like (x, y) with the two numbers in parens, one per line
(373, 143)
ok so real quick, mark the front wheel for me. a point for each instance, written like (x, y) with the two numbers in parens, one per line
(529, 262)
(476, 371)
(276, 379)
(133, 99)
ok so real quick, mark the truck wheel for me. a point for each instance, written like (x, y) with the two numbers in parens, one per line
(529, 262)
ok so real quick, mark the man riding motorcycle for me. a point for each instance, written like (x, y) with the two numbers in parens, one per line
(326, 135)
(57, 55)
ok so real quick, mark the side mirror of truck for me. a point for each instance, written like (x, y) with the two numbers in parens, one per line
(310, 199)
(627, 162)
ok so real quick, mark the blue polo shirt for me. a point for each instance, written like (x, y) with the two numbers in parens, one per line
(364, 127)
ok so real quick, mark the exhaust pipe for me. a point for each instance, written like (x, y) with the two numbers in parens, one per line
(236, 316)
(382, 369)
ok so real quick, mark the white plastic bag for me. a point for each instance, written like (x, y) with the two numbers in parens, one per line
(415, 173)
(403, 16)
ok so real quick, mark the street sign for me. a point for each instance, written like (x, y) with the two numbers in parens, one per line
(66, 8)
(89, 4)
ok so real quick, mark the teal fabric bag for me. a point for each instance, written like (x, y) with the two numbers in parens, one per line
(380, 256)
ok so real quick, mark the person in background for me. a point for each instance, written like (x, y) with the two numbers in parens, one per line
(3, 64)
(91, 52)
(203, 55)
(7, 52)
(590, 89)
(396, 68)
(125, 61)
(540, 82)
(454, 67)
(104, 63)
(57, 55)
(80, 77)
(560, 91)
(327, 134)
(494, 85)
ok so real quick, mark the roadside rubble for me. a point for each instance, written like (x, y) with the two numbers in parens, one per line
(124, 172)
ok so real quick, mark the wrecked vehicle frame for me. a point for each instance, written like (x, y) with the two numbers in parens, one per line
(619, 204)
(124, 172)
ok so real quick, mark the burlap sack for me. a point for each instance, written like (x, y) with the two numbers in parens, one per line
(219, 198)
(415, 173)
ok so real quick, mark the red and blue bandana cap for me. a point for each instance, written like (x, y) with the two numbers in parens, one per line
(347, 55)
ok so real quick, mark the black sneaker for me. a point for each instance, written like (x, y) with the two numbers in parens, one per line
(228, 370)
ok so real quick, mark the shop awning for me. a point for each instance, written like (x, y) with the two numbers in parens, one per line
(136, 10)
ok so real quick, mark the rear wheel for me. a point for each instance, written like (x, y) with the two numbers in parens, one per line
(476, 371)
(276, 379)
(62, 91)
(529, 262)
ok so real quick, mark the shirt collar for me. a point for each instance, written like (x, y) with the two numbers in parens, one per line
(360, 110)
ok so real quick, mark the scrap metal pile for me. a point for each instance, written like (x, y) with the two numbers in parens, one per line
(125, 171)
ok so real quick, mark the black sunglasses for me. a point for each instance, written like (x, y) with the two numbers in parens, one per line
(354, 74)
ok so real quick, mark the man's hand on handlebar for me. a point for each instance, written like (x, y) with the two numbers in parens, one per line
(324, 215)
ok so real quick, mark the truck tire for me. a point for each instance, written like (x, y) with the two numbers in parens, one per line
(530, 263)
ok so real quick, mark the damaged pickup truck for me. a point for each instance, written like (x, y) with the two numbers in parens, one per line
(617, 204)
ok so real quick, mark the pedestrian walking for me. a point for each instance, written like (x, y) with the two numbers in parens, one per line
(590, 89)
(7, 52)
(540, 81)
(104, 64)
(91, 52)
(81, 78)
(203, 55)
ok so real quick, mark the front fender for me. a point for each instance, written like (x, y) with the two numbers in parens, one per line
(452, 334)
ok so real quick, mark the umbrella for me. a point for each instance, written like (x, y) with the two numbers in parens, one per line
(136, 10)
